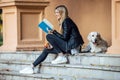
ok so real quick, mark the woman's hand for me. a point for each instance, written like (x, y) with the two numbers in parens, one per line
(50, 31)
(48, 46)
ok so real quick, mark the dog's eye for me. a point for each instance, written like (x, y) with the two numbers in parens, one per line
(92, 35)
(98, 35)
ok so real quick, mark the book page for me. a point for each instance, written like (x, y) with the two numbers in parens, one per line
(45, 25)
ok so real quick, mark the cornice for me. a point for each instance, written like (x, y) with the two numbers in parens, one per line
(34, 3)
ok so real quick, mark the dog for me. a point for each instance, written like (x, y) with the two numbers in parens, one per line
(96, 43)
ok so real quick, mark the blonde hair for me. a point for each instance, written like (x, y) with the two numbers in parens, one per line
(64, 14)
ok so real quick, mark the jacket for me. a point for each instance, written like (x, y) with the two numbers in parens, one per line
(70, 34)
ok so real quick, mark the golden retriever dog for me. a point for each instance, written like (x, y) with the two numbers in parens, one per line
(96, 43)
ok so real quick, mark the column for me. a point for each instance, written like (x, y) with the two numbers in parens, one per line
(20, 24)
(115, 47)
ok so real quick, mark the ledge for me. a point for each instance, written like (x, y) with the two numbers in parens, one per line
(36, 3)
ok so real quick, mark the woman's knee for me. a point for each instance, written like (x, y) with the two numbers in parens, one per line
(48, 36)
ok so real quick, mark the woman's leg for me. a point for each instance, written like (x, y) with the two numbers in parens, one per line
(61, 47)
(59, 44)
(43, 56)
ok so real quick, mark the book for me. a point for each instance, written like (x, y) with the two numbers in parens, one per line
(45, 25)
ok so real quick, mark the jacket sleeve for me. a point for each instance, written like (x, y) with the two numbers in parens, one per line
(66, 31)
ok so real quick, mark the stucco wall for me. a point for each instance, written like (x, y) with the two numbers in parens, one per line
(89, 15)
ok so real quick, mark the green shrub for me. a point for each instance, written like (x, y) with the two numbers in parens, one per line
(1, 39)
(1, 36)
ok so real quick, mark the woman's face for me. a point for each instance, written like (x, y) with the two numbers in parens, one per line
(57, 13)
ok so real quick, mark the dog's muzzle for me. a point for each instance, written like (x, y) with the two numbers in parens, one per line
(95, 42)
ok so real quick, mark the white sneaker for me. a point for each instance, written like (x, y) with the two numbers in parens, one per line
(74, 51)
(28, 70)
(59, 60)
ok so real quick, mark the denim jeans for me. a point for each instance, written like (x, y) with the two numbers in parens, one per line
(58, 44)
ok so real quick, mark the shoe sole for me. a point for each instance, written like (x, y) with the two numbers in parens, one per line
(59, 63)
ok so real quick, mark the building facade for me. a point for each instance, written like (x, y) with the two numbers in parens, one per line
(21, 18)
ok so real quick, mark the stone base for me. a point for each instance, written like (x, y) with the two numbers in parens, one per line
(114, 50)
(5, 48)
(29, 48)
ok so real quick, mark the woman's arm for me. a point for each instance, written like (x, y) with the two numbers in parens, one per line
(66, 31)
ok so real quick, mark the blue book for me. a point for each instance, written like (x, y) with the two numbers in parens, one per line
(45, 25)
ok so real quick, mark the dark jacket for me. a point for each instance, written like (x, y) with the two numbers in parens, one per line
(70, 34)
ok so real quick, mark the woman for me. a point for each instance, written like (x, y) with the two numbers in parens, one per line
(66, 40)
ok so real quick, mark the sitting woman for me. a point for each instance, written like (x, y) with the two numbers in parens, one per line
(64, 41)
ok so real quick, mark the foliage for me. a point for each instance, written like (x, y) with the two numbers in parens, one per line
(1, 36)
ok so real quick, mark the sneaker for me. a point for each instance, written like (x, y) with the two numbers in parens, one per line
(59, 60)
(28, 70)
(74, 51)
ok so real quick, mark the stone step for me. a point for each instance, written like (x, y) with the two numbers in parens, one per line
(23, 56)
(96, 59)
(13, 65)
(99, 72)
(90, 71)
(18, 65)
(81, 58)
(91, 66)
(12, 75)
(102, 72)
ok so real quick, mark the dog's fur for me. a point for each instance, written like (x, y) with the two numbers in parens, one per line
(96, 43)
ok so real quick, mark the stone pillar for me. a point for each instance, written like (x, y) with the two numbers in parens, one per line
(115, 47)
(20, 24)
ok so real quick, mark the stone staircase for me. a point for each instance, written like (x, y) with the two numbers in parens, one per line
(85, 66)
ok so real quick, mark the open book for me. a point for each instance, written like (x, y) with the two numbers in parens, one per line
(45, 25)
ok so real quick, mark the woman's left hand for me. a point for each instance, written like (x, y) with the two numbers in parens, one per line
(50, 31)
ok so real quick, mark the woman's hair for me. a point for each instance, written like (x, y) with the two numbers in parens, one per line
(63, 12)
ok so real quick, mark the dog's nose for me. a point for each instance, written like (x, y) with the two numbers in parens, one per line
(95, 40)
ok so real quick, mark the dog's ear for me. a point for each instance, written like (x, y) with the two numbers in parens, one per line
(89, 37)
(98, 35)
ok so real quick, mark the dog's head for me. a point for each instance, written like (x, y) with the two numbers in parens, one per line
(94, 37)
